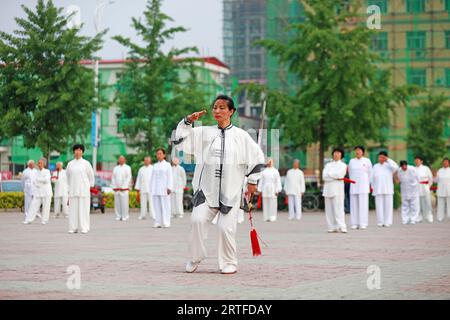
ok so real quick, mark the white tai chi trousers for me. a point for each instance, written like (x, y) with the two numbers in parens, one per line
(443, 208)
(384, 205)
(270, 207)
(425, 209)
(146, 205)
(162, 210)
(34, 208)
(359, 209)
(121, 204)
(27, 199)
(410, 210)
(79, 213)
(176, 199)
(61, 201)
(334, 212)
(201, 219)
(295, 206)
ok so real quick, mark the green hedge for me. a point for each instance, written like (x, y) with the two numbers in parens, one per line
(11, 200)
(133, 201)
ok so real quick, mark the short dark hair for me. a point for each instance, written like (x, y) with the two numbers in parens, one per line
(228, 99)
(383, 153)
(339, 150)
(78, 146)
(418, 157)
(403, 163)
(446, 159)
(162, 150)
(360, 147)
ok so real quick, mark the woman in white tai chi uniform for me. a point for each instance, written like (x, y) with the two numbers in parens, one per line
(224, 155)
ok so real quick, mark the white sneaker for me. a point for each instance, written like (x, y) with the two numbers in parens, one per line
(44, 223)
(84, 231)
(166, 226)
(140, 218)
(332, 231)
(363, 227)
(156, 225)
(72, 231)
(118, 219)
(343, 230)
(26, 222)
(126, 219)
(39, 215)
(380, 225)
(386, 225)
(354, 227)
(191, 266)
(230, 269)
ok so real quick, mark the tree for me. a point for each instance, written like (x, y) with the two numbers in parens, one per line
(45, 94)
(146, 95)
(426, 128)
(343, 98)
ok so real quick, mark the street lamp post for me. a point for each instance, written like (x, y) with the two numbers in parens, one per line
(96, 118)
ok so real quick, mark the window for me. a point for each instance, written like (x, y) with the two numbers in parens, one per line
(447, 39)
(447, 5)
(417, 77)
(415, 6)
(382, 4)
(379, 42)
(415, 40)
(447, 78)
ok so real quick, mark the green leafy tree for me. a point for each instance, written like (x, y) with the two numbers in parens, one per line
(343, 98)
(45, 94)
(146, 90)
(426, 129)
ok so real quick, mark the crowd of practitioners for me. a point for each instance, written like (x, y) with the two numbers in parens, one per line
(364, 178)
(161, 186)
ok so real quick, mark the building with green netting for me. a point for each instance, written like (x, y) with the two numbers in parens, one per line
(414, 41)
(212, 76)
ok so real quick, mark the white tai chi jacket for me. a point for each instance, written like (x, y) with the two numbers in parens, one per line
(162, 178)
(360, 170)
(80, 177)
(60, 180)
(179, 179)
(332, 174)
(223, 157)
(121, 177)
(42, 184)
(443, 181)
(424, 174)
(382, 177)
(144, 179)
(270, 183)
(27, 179)
(409, 183)
(295, 182)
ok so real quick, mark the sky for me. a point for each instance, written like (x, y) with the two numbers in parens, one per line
(202, 18)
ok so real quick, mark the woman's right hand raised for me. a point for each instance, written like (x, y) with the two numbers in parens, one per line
(195, 116)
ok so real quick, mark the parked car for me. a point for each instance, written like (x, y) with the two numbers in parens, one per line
(11, 186)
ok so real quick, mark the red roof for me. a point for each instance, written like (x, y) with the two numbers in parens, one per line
(211, 60)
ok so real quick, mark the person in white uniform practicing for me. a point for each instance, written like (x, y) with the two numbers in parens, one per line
(27, 180)
(143, 186)
(224, 155)
(42, 194)
(270, 185)
(409, 189)
(294, 187)
(162, 186)
(443, 191)
(61, 194)
(334, 193)
(383, 188)
(425, 183)
(360, 171)
(121, 179)
(80, 177)
(179, 183)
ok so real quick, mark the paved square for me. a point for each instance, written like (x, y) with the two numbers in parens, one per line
(131, 260)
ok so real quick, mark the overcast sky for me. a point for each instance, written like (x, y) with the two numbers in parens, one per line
(203, 18)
